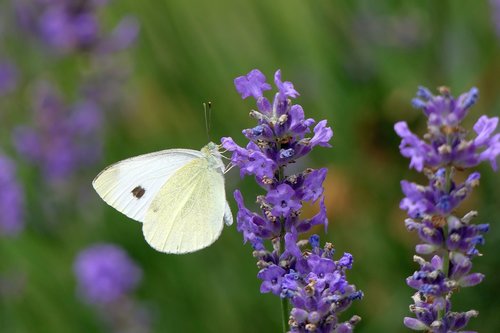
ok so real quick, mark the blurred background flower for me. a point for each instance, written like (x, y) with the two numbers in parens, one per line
(11, 199)
(8, 76)
(105, 273)
(61, 140)
(73, 26)
(106, 278)
(495, 10)
(356, 64)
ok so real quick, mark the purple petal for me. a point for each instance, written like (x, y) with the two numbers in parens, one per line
(471, 280)
(285, 88)
(415, 324)
(322, 135)
(484, 127)
(252, 84)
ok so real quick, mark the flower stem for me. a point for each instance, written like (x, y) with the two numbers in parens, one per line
(284, 314)
(284, 310)
(284, 301)
(446, 253)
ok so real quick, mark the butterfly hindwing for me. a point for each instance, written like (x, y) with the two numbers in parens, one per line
(187, 213)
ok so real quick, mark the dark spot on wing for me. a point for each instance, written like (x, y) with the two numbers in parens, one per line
(138, 192)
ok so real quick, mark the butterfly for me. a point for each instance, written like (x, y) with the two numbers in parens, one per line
(177, 194)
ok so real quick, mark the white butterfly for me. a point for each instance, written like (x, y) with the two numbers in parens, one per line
(178, 195)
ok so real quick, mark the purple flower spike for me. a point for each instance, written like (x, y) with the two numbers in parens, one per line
(252, 84)
(63, 138)
(443, 152)
(306, 276)
(8, 77)
(122, 36)
(69, 28)
(495, 15)
(105, 273)
(11, 199)
(446, 143)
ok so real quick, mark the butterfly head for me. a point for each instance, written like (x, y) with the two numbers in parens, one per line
(213, 154)
(212, 148)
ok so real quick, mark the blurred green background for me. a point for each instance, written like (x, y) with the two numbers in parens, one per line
(356, 63)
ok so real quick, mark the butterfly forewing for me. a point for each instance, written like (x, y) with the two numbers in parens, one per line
(187, 213)
(131, 185)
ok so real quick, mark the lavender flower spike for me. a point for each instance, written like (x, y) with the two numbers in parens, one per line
(8, 77)
(11, 199)
(450, 241)
(69, 28)
(446, 142)
(306, 276)
(63, 138)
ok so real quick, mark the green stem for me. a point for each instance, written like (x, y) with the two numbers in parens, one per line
(284, 314)
(446, 254)
(284, 301)
(446, 269)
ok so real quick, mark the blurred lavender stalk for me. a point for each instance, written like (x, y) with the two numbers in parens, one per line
(309, 278)
(106, 278)
(495, 10)
(8, 77)
(11, 199)
(73, 26)
(62, 139)
(449, 240)
(12, 195)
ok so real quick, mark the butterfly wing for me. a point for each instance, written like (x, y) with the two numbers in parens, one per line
(228, 215)
(130, 185)
(187, 213)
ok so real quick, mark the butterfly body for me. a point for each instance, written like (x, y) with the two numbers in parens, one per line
(178, 195)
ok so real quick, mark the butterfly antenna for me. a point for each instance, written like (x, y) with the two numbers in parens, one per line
(207, 108)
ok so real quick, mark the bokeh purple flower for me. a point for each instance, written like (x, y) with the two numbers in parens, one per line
(106, 279)
(8, 76)
(495, 15)
(449, 240)
(11, 199)
(310, 279)
(60, 136)
(63, 139)
(105, 273)
(73, 26)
